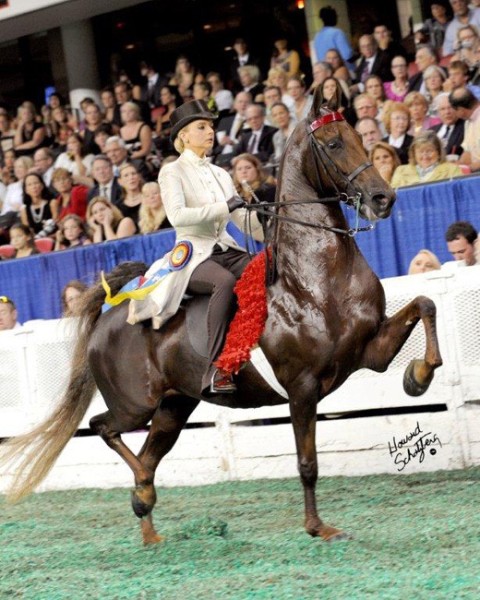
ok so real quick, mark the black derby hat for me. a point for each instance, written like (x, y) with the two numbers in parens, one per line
(187, 113)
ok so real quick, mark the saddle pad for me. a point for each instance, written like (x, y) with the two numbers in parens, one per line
(196, 321)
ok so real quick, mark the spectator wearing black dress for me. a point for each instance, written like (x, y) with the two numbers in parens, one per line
(30, 134)
(36, 212)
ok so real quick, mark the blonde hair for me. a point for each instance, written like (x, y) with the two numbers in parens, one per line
(148, 220)
(435, 262)
(390, 109)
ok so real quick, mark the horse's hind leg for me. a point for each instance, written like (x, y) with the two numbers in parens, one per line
(392, 335)
(167, 423)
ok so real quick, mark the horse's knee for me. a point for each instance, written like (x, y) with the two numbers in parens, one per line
(308, 471)
(426, 307)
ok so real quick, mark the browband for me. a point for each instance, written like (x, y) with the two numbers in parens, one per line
(321, 121)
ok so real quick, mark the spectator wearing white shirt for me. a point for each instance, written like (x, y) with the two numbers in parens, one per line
(463, 15)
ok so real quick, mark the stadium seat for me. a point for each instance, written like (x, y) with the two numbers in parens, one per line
(7, 251)
(44, 244)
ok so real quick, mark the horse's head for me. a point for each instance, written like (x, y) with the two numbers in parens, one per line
(341, 163)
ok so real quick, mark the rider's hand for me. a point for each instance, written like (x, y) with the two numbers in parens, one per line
(235, 202)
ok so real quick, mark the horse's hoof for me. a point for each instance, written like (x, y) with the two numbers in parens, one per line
(140, 508)
(341, 536)
(411, 385)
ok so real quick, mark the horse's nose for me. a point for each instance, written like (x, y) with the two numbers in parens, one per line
(381, 200)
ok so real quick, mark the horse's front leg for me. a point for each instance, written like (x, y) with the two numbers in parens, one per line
(391, 336)
(303, 410)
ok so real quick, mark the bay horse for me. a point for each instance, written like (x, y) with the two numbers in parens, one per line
(326, 319)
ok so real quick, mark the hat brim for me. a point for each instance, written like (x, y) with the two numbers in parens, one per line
(208, 116)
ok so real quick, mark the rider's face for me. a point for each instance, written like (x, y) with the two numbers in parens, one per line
(198, 136)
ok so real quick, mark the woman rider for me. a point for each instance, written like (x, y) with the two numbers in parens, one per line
(199, 199)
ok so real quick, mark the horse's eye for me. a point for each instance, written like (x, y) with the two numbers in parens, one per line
(334, 144)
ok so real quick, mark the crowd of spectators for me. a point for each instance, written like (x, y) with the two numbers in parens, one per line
(89, 176)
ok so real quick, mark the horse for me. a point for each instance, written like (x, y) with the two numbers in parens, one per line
(326, 319)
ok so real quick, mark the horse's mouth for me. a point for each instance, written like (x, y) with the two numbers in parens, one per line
(380, 207)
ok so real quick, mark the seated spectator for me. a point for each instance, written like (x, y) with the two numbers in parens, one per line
(93, 120)
(451, 130)
(458, 75)
(30, 134)
(302, 102)
(72, 233)
(152, 215)
(184, 77)
(330, 88)
(76, 161)
(339, 66)
(271, 95)
(370, 132)
(282, 119)
(434, 78)
(107, 221)
(461, 238)
(284, 58)
(71, 199)
(131, 183)
(386, 43)
(423, 262)
(397, 122)
(135, 133)
(320, 71)
(467, 107)
(50, 126)
(72, 298)
(374, 88)
(203, 91)
(117, 152)
(43, 160)
(36, 211)
(229, 130)
(250, 79)
(250, 179)
(171, 100)
(373, 61)
(385, 159)
(101, 135)
(433, 29)
(65, 125)
(467, 37)
(462, 16)
(419, 119)
(107, 96)
(13, 201)
(55, 100)
(425, 56)
(7, 174)
(397, 89)
(106, 184)
(7, 132)
(278, 78)
(427, 163)
(123, 93)
(223, 98)
(258, 140)
(8, 315)
(365, 106)
(21, 238)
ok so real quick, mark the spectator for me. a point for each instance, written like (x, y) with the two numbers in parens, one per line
(339, 66)
(461, 238)
(467, 38)
(107, 97)
(101, 135)
(184, 77)
(462, 15)
(21, 238)
(286, 59)
(433, 30)
(424, 57)
(117, 152)
(365, 106)
(131, 182)
(72, 298)
(137, 137)
(374, 88)
(458, 74)
(241, 57)
(43, 164)
(93, 120)
(107, 221)
(8, 315)
(331, 36)
(397, 89)
(71, 199)
(257, 140)
(36, 211)
(370, 132)
(320, 71)
(385, 42)
(72, 233)
(423, 262)
(13, 201)
(467, 107)
(7, 132)
(230, 128)
(223, 98)
(152, 215)
(76, 161)
(332, 88)
(64, 125)
(30, 134)
(397, 122)
(170, 99)
(282, 119)
(203, 91)
(385, 159)
(302, 102)
(427, 163)
(419, 119)
(123, 93)
(55, 100)
(106, 184)
(278, 77)
(451, 130)
(434, 78)
(271, 95)
(153, 83)
(372, 62)
(7, 174)
(249, 76)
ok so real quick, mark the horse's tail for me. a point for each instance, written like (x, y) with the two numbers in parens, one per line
(33, 454)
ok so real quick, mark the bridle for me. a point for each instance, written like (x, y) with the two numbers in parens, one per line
(322, 158)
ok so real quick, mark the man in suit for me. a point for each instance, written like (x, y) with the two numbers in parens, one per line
(106, 184)
(258, 140)
(373, 61)
(123, 93)
(452, 129)
(424, 57)
(241, 57)
(229, 129)
(150, 90)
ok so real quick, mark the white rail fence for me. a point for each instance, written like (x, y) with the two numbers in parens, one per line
(393, 433)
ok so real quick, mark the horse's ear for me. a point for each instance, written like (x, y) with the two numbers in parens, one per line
(318, 102)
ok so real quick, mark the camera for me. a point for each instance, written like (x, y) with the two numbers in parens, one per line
(49, 227)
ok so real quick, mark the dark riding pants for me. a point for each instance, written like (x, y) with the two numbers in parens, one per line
(217, 276)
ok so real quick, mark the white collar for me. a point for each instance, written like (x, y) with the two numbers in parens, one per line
(194, 159)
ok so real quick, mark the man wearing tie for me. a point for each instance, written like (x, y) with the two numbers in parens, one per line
(229, 129)
(452, 129)
(106, 185)
(258, 140)
(373, 61)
